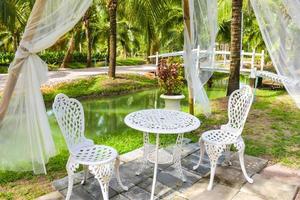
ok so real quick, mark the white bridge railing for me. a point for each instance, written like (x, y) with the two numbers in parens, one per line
(222, 59)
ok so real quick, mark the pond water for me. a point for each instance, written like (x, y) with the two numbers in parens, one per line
(104, 116)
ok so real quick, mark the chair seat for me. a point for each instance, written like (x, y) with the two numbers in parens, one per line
(95, 155)
(219, 137)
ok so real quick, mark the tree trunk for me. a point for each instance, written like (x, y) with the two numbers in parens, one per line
(69, 53)
(86, 20)
(108, 49)
(15, 41)
(235, 46)
(112, 7)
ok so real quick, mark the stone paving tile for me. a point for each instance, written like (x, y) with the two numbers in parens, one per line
(119, 197)
(172, 181)
(161, 190)
(230, 176)
(190, 176)
(51, 196)
(63, 183)
(132, 155)
(174, 196)
(190, 161)
(219, 192)
(246, 196)
(79, 193)
(270, 189)
(253, 164)
(282, 173)
(128, 176)
(93, 188)
(137, 193)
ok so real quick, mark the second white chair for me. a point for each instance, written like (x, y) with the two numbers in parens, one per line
(100, 160)
(215, 142)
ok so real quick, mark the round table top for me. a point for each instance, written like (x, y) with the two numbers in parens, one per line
(162, 121)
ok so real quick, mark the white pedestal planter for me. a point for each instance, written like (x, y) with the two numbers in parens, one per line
(172, 102)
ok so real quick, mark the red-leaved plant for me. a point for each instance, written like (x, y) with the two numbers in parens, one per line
(170, 75)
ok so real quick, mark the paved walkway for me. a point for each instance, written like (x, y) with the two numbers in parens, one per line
(71, 74)
(270, 183)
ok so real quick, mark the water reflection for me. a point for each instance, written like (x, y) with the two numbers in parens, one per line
(104, 117)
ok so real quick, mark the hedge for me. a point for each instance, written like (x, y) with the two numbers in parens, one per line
(53, 57)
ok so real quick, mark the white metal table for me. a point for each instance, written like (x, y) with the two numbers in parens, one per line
(162, 121)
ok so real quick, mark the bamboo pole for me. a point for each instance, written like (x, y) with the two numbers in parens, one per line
(13, 75)
(187, 20)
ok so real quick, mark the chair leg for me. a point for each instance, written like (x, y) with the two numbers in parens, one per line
(117, 171)
(212, 176)
(71, 168)
(214, 152)
(202, 150)
(240, 145)
(227, 161)
(85, 172)
(103, 174)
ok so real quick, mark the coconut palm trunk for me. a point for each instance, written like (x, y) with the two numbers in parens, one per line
(112, 7)
(236, 28)
(69, 53)
(86, 20)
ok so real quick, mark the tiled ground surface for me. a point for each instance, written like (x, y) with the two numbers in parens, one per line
(229, 181)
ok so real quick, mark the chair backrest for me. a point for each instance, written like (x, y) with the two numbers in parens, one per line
(70, 116)
(239, 105)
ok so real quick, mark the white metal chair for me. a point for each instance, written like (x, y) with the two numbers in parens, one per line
(100, 160)
(215, 142)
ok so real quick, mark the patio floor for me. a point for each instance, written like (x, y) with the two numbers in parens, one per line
(229, 181)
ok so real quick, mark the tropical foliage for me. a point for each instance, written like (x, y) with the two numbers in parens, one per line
(143, 27)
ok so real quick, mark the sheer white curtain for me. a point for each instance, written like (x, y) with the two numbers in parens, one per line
(279, 21)
(25, 137)
(203, 30)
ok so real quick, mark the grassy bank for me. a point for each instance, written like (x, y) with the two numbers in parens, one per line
(98, 86)
(271, 131)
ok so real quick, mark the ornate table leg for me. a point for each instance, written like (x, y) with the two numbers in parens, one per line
(177, 157)
(146, 151)
(155, 166)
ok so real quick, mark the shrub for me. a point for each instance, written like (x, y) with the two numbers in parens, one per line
(170, 75)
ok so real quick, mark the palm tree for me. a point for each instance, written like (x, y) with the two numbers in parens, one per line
(13, 16)
(171, 27)
(236, 28)
(112, 8)
(86, 22)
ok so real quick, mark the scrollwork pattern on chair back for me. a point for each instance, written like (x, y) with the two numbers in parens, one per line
(70, 117)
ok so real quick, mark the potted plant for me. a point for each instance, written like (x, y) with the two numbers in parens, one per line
(170, 76)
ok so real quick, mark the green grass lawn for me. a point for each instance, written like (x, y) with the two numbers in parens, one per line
(271, 131)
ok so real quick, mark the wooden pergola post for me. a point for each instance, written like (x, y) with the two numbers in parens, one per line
(187, 20)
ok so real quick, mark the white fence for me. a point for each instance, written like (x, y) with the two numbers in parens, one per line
(223, 58)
